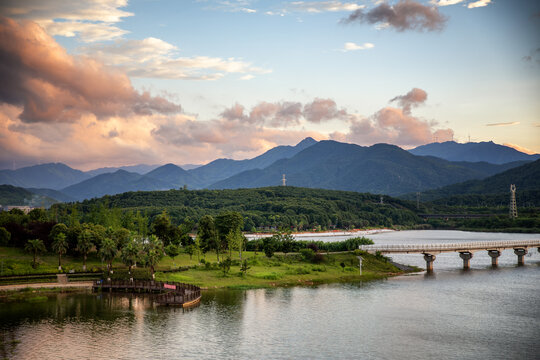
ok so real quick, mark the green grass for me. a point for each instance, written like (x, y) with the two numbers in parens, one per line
(287, 270)
(280, 270)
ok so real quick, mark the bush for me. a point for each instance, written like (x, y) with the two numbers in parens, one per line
(318, 268)
(136, 273)
(317, 258)
(307, 254)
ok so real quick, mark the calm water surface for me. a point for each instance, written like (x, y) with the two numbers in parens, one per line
(482, 313)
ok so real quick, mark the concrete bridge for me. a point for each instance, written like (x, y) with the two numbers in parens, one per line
(465, 250)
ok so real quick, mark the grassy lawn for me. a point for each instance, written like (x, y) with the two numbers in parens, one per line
(283, 270)
(280, 270)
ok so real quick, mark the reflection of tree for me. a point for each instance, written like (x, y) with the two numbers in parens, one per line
(8, 343)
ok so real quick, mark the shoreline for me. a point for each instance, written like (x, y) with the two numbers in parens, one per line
(359, 232)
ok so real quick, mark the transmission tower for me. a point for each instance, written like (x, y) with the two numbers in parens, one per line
(381, 200)
(417, 200)
(283, 181)
(513, 207)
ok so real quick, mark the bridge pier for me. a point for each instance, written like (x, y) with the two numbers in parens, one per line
(494, 254)
(521, 252)
(429, 261)
(466, 256)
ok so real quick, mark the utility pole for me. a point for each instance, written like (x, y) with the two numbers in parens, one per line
(513, 207)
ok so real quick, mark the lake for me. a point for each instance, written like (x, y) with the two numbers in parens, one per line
(453, 314)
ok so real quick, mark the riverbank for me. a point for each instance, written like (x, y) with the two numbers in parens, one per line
(288, 270)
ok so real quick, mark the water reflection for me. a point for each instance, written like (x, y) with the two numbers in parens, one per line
(480, 313)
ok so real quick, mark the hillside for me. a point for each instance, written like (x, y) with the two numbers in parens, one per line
(223, 168)
(12, 195)
(379, 169)
(113, 183)
(299, 208)
(51, 176)
(473, 152)
(525, 177)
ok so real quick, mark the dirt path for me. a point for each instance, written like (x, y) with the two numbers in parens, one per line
(78, 284)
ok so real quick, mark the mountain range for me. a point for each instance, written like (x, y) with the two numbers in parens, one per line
(473, 152)
(525, 177)
(381, 168)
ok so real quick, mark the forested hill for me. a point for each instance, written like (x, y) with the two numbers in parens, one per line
(379, 169)
(473, 152)
(298, 208)
(525, 177)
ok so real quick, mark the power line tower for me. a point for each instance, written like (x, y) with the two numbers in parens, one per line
(417, 200)
(283, 181)
(381, 200)
(513, 207)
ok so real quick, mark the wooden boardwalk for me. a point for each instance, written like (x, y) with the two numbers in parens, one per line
(169, 293)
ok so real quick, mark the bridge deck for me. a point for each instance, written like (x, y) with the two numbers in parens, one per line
(451, 247)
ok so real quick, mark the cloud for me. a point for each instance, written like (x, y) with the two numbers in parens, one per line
(477, 4)
(247, 77)
(350, 46)
(534, 56)
(155, 58)
(322, 110)
(53, 86)
(405, 15)
(445, 2)
(413, 98)
(90, 20)
(279, 114)
(395, 125)
(322, 6)
(504, 124)
(520, 148)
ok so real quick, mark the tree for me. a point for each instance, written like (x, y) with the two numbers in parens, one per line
(163, 229)
(226, 222)
(269, 246)
(197, 248)
(235, 241)
(244, 267)
(60, 246)
(35, 246)
(5, 236)
(225, 266)
(172, 251)
(85, 244)
(207, 235)
(121, 237)
(107, 252)
(154, 252)
(129, 255)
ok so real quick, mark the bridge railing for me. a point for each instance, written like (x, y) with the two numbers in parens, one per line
(476, 245)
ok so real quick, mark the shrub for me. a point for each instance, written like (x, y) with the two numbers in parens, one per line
(307, 254)
(318, 268)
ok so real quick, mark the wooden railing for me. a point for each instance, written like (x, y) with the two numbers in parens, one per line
(170, 293)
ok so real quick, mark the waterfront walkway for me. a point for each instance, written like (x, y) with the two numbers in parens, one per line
(465, 250)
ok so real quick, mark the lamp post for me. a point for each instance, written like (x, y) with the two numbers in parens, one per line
(360, 261)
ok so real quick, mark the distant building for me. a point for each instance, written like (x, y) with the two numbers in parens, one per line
(25, 209)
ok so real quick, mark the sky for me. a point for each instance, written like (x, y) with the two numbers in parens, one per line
(96, 83)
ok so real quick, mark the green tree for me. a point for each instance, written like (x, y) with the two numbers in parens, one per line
(5, 236)
(60, 246)
(129, 254)
(226, 222)
(172, 251)
(154, 252)
(197, 248)
(107, 252)
(269, 246)
(225, 266)
(85, 244)
(163, 229)
(207, 235)
(35, 246)
(244, 267)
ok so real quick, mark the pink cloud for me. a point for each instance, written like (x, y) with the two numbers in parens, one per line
(395, 125)
(53, 86)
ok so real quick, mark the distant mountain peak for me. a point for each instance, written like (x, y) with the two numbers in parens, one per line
(306, 142)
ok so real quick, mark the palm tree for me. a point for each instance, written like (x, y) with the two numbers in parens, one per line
(107, 252)
(85, 243)
(154, 252)
(60, 246)
(35, 246)
(129, 255)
